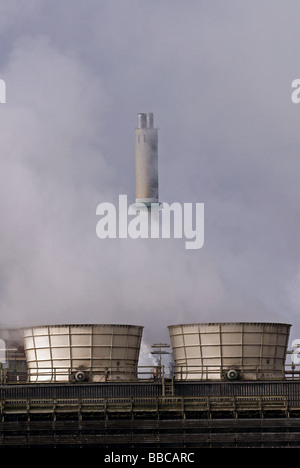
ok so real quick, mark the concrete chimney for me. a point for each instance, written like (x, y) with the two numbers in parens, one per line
(146, 160)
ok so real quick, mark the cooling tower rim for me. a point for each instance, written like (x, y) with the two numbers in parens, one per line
(229, 323)
(82, 325)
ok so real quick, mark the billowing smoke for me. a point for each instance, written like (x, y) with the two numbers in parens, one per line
(228, 137)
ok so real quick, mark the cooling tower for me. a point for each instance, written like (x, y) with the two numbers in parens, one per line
(12, 355)
(146, 160)
(94, 353)
(248, 351)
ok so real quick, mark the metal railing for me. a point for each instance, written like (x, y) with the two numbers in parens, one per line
(100, 374)
(136, 404)
(245, 372)
(146, 374)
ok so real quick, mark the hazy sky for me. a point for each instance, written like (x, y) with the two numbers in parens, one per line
(217, 75)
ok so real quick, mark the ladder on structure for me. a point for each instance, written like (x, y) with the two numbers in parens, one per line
(168, 387)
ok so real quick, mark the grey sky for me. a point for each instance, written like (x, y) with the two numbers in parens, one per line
(217, 76)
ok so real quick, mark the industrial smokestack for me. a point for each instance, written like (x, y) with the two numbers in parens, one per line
(146, 160)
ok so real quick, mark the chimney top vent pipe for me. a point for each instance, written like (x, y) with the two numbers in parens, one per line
(145, 120)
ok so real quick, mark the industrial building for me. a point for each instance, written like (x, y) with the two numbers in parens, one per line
(83, 387)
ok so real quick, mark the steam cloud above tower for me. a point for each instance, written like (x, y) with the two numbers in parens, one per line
(228, 137)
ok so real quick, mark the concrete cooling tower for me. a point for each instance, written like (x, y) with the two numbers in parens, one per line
(247, 351)
(94, 353)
